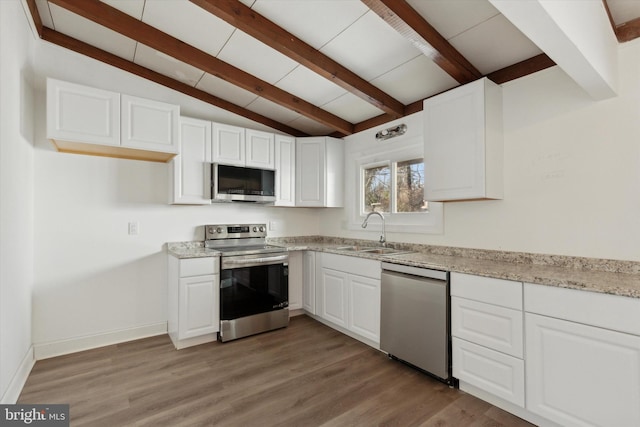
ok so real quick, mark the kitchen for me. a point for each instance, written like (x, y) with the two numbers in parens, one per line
(571, 176)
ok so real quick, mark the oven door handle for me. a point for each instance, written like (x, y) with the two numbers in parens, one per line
(255, 261)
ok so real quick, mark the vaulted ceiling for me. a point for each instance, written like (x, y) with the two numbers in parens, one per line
(310, 67)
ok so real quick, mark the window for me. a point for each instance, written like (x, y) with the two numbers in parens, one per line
(389, 176)
(394, 187)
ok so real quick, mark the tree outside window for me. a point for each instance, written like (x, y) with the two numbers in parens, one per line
(398, 187)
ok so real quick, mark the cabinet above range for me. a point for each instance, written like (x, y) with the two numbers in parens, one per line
(309, 172)
(85, 120)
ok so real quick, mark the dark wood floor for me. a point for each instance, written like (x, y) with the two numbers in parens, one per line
(304, 375)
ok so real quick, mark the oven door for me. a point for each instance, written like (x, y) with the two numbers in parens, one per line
(253, 284)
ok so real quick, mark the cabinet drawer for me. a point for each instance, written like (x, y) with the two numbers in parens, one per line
(492, 326)
(486, 289)
(491, 371)
(592, 308)
(199, 266)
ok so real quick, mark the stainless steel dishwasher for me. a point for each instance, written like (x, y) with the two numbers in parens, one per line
(414, 318)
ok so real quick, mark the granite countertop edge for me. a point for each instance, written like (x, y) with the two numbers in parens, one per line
(591, 278)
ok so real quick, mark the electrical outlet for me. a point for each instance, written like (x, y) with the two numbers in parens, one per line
(134, 228)
(273, 225)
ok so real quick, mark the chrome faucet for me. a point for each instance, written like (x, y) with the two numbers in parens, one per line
(383, 238)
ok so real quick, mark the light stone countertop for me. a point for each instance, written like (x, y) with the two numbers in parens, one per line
(596, 275)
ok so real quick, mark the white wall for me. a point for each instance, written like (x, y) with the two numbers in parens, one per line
(572, 173)
(16, 199)
(93, 281)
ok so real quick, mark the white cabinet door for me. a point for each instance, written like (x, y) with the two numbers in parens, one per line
(319, 172)
(82, 114)
(334, 292)
(199, 302)
(228, 144)
(364, 306)
(259, 149)
(285, 148)
(580, 375)
(150, 125)
(309, 282)
(463, 143)
(188, 181)
(310, 171)
(489, 370)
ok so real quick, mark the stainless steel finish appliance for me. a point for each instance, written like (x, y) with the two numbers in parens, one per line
(415, 318)
(254, 282)
(242, 184)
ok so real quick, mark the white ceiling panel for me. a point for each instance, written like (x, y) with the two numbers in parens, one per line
(225, 90)
(494, 44)
(80, 28)
(452, 17)
(351, 108)
(130, 7)
(310, 86)
(624, 10)
(315, 22)
(189, 23)
(45, 14)
(310, 126)
(255, 57)
(272, 110)
(414, 80)
(370, 47)
(164, 64)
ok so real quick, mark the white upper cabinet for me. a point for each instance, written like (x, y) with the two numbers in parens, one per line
(463, 152)
(285, 170)
(227, 144)
(236, 146)
(150, 125)
(188, 173)
(86, 120)
(319, 172)
(82, 114)
(259, 149)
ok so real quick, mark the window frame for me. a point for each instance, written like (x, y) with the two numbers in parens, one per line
(429, 222)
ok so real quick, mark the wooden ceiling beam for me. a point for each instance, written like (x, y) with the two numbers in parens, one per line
(83, 48)
(628, 31)
(512, 72)
(410, 24)
(521, 69)
(264, 30)
(118, 21)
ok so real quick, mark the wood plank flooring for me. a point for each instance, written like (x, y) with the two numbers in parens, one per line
(304, 375)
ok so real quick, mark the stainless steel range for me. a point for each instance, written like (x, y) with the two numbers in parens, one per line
(254, 280)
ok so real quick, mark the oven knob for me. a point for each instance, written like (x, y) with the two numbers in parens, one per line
(255, 229)
(261, 229)
(219, 230)
(210, 230)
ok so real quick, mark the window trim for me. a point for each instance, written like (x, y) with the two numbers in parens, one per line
(430, 222)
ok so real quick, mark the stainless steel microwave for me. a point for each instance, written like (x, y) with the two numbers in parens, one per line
(242, 184)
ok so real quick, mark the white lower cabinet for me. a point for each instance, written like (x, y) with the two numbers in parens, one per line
(334, 296)
(582, 374)
(194, 300)
(309, 282)
(348, 294)
(487, 336)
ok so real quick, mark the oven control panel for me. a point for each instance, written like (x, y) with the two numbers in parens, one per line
(234, 231)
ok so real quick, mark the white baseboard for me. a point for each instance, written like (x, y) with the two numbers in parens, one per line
(73, 345)
(12, 393)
